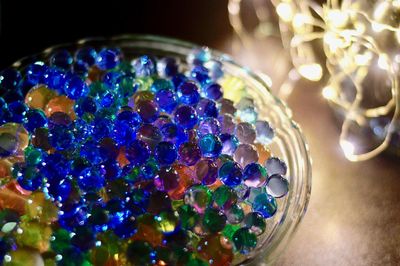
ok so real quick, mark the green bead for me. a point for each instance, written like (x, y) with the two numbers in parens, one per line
(224, 197)
(214, 220)
(230, 230)
(255, 222)
(196, 262)
(199, 197)
(33, 156)
(235, 214)
(188, 216)
(133, 176)
(23, 257)
(125, 66)
(127, 86)
(139, 253)
(144, 83)
(244, 240)
(167, 222)
(60, 240)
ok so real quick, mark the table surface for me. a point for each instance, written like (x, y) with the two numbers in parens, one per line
(353, 217)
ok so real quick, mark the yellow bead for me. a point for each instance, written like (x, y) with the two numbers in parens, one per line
(21, 135)
(34, 235)
(39, 96)
(40, 208)
(23, 257)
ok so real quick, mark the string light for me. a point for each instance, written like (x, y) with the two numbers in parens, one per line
(360, 39)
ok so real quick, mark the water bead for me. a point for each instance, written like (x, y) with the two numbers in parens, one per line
(13, 139)
(166, 100)
(24, 256)
(230, 174)
(85, 105)
(9, 79)
(206, 108)
(188, 93)
(149, 134)
(244, 240)
(61, 59)
(265, 204)
(165, 152)
(229, 143)
(185, 116)
(61, 104)
(173, 133)
(199, 56)
(245, 132)
(226, 106)
(107, 59)
(148, 110)
(206, 172)
(35, 72)
(167, 67)
(144, 66)
(275, 165)
(137, 152)
(254, 175)
(227, 123)
(265, 132)
(87, 55)
(277, 186)
(178, 79)
(162, 120)
(91, 179)
(213, 91)
(142, 96)
(126, 85)
(255, 222)
(214, 220)
(166, 179)
(161, 84)
(224, 197)
(212, 249)
(242, 192)
(76, 88)
(189, 153)
(188, 216)
(18, 111)
(200, 73)
(215, 69)
(199, 197)
(245, 154)
(139, 253)
(210, 146)
(235, 214)
(209, 125)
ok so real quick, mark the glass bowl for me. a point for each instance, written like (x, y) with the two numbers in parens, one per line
(288, 143)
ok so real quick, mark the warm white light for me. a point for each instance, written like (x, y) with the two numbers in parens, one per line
(337, 18)
(285, 11)
(363, 59)
(347, 147)
(377, 27)
(311, 72)
(383, 62)
(329, 92)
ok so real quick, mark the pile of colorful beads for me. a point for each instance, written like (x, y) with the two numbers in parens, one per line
(110, 161)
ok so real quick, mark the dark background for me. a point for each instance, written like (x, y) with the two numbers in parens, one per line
(28, 27)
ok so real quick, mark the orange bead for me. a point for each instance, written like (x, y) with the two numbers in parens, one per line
(121, 159)
(39, 96)
(95, 74)
(214, 248)
(186, 180)
(61, 104)
(12, 196)
(5, 168)
(147, 231)
(263, 153)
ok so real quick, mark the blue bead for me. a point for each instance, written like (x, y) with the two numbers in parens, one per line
(34, 118)
(61, 59)
(178, 80)
(123, 133)
(254, 175)
(72, 219)
(107, 59)
(82, 130)
(199, 56)
(13, 95)
(213, 91)
(210, 146)
(230, 174)
(215, 69)
(229, 143)
(133, 119)
(29, 179)
(91, 152)
(167, 67)
(18, 111)
(80, 68)
(112, 169)
(35, 72)
(149, 169)
(209, 125)
(126, 85)
(60, 190)
(188, 93)
(111, 78)
(9, 79)
(87, 55)
(84, 238)
(137, 152)
(161, 84)
(61, 138)
(166, 100)
(207, 108)
(185, 116)
(265, 204)
(144, 66)
(91, 179)
(127, 228)
(200, 73)
(165, 153)
(102, 127)
(174, 133)
(109, 149)
(55, 166)
(55, 79)
(76, 88)
(85, 105)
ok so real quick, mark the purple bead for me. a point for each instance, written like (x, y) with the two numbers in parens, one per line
(162, 120)
(227, 123)
(206, 172)
(137, 152)
(213, 91)
(229, 143)
(189, 153)
(149, 134)
(166, 100)
(147, 110)
(207, 108)
(174, 133)
(186, 116)
(166, 179)
(210, 125)
(188, 93)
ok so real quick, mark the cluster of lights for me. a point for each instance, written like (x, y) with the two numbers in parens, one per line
(359, 38)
